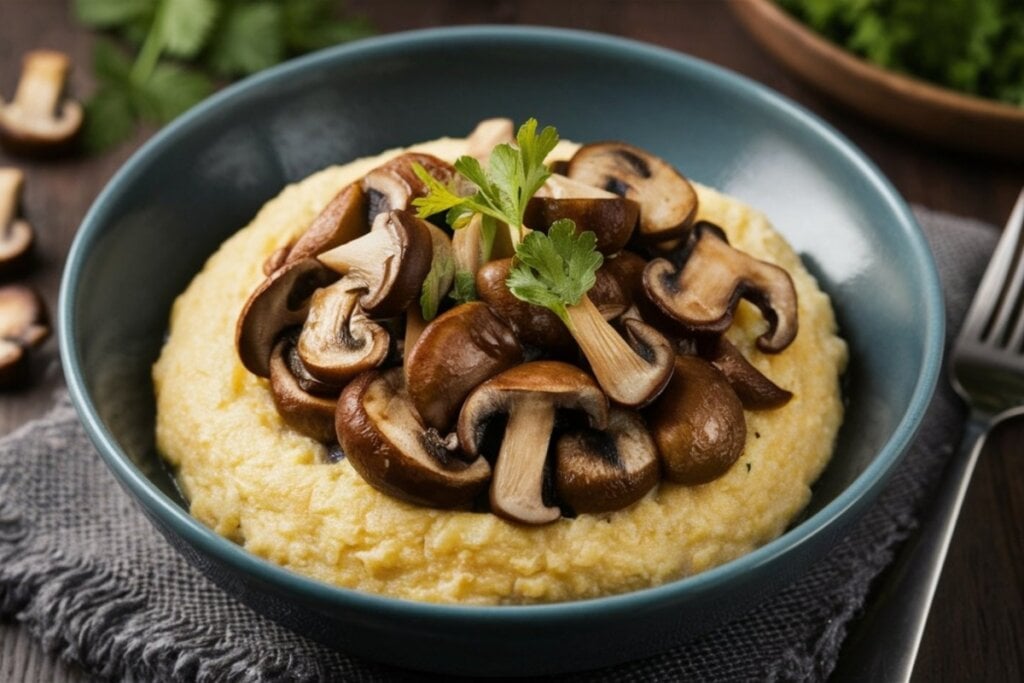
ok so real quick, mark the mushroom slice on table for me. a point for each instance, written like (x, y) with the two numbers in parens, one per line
(40, 120)
(697, 423)
(487, 135)
(304, 403)
(755, 391)
(668, 202)
(342, 220)
(606, 470)
(631, 372)
(387, 443)
(16, 235)
(704, 285)
(279, 302)
(338, 341)
(24, 325)
(610, 217)
(390, 261)
(393, 185)
(529, 394)
(454, 354)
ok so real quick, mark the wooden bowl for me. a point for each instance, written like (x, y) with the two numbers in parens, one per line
(911, 105)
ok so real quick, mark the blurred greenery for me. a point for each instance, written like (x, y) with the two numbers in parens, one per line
(975, 46)
(160, 57)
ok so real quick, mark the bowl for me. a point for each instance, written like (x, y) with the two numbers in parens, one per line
(206, 174)
(926, 111)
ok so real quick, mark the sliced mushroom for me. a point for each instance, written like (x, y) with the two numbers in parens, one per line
(277, 258)
(701, 290)
(457, 352)
(16, 235)
(612, 218)
(487, 135)
(393, 186)
(632, 373)
(40, 120)
(281, 301)
(755, 391)
(297, 395)
(24, 325)
(338, 341)
(342, 220)
(605, 470)
(698, 423)
(390, 261)
(668, 202)
(387, 443)
(529, 394)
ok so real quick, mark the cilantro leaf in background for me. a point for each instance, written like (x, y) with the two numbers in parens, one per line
(248, 39)
(183, 25)
(313, 24)
(111, 13)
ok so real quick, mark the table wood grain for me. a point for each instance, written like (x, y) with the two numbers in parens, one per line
(975, 631)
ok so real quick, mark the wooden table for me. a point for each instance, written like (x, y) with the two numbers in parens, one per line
(975, 631)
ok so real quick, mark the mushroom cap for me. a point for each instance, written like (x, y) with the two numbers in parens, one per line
(610, 217)
(606, 470)
(454, 354)
(754, 389)
(338, 341)
(697, 423)
(304, 411)
(36, 121)
(667, 200)
(279, 302)
(342, 220)
(388, 445)
(391, 261)
(393, 185)
(559, 384)
(702, 292)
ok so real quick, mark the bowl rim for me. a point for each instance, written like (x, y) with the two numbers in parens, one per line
(858, 493)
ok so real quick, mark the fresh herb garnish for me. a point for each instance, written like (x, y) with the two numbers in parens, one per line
(442, 270)
(464, 289)
(181, 48)
(555, 270)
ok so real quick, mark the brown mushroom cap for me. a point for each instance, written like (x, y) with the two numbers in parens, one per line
(16, 235)
(605, 470)
(529, 394)
(393, 186)
(668, 203)
(279, 302)
(338, 341)
(342, 220)
(39, 120)
(702, 291)
(697, 423)
(755, 391)
(305, 411)
(610, 217)
(389, 446)
(454, 354)
(390, 261)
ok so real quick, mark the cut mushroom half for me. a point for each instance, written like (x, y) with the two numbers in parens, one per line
(390, 261)
(338, 341)
(24, 326)
(668, 202)
(278, 303)
(702, 289)
(455, 353)
(305, 404)
(610, 217)
(342, 220)
(487, 135)
(698, 423)
(754, 389)
(16, 235)
(387, 443)
(393, 186)
(606, 470)
(529, 394)
(40, 119)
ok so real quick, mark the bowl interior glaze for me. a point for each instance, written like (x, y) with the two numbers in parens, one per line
(206, 175)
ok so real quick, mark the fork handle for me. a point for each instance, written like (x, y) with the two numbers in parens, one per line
(884, 643)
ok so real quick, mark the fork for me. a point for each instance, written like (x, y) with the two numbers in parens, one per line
(987, 371)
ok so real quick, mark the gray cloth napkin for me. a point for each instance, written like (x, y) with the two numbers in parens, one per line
(82, 568)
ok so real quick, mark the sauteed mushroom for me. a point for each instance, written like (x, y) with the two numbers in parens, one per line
(303, 402)
(610, 217)
(393, 186)
(755, 391)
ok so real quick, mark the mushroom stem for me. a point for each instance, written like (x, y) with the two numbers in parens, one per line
(11, 180)
(42, 83)
(519, 470)
(363, 258)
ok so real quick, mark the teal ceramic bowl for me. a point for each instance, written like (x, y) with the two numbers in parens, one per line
(206, 174)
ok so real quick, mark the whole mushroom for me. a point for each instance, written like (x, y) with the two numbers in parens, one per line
(16, 235)
(304, 403)
(611, 218)
(754, 390)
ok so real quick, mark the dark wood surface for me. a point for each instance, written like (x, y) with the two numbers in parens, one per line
(975, 631)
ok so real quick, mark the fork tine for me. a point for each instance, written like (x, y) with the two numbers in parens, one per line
(999, 291)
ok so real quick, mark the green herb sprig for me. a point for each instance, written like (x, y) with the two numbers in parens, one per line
(170, 54)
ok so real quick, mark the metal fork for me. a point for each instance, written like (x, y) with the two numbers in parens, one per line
(987, 371)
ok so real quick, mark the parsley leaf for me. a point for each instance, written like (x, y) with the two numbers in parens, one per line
(248, 39)
(183, 25)
(555, 270)
(436, 285)
(465, 287)
(109, 13)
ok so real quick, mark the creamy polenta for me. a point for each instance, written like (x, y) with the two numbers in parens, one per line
(254, 480)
